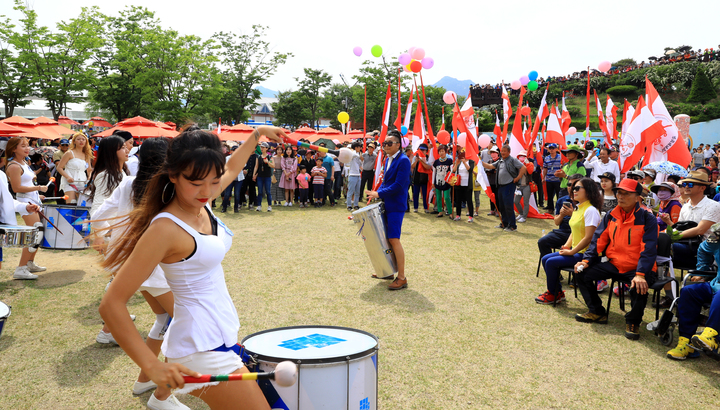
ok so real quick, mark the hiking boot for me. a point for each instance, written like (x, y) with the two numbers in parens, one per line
(632, 331)
(706, 341)
(548, 298)
(589, 317)
(683, 350)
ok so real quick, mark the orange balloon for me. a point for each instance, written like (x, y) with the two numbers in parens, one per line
(443, 137)
(415, 66)
(525, 111)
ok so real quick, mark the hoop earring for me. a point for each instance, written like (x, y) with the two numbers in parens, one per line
(162, 198)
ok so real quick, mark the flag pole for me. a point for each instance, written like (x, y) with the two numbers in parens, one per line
(365, 120)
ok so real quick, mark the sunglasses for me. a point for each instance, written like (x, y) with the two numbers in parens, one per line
(388, 143)
(687, 184)
(577, 188)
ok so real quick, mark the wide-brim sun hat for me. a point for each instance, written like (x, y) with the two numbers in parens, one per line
(697, 177)
(581, 152)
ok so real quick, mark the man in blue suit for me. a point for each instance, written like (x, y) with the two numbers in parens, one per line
(394, 193)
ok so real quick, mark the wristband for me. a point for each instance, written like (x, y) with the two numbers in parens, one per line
(640, 274)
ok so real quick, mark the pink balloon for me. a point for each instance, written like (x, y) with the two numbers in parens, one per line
(357, 51)
(449, 97)
(515, 85)
(572, 130)
(524, 80)
(405, 59)
(336, 141)
(462, 139)
(428, 63)
(405, 68)
(405, 142)
(418, 54)
(410, 50)
(484, 141)
(604, 66)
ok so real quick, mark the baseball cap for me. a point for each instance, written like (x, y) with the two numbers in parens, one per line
(636, 173)
(607, 175)
(265, 144)
(551, 145)
(64, 141)
(630, 185)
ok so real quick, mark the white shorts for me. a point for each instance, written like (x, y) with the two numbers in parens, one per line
(208, 363)
(153, 291)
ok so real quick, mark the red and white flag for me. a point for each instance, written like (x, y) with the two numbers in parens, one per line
(468, 114)
(418, 129)
(610, 122)
(564, 117)
(383, 134)
(671, 145)
(408, 110)
(601, 117)
(643, 128)
(628, 113)
(543, 113)
(497, 131)
(554, 131)
(507, 112)
(517, 140)
(460, 122)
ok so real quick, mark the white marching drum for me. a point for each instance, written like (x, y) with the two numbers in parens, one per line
(337, 367)
(4, 314)
(12, 236)
(74, 223)
(372, 231)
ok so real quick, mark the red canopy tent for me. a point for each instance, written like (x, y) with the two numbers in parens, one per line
(140, 127)
(98, 122)
(7, 130)
(63, 120)
(46, 124)
(300, 133)
(329, 133)
(239, 132)
(30, 128)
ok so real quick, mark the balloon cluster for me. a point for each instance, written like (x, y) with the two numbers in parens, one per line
(529, 80)
(414, 60)
(375, 50)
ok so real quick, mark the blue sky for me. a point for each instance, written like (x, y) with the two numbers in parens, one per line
(478, 40)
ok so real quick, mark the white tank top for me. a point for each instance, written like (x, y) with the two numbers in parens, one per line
(205, 316)
(26, 179)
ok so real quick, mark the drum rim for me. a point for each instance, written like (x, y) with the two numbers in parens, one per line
(9, 311)
(336, 359)
(365, 208)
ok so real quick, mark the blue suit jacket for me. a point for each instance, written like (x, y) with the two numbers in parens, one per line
(396, 181)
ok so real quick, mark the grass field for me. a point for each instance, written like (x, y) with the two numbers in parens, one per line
(466, 334)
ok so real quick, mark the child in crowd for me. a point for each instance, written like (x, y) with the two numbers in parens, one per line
(318, 173)
(302, 179)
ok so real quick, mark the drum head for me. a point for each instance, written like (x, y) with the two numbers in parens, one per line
(4, 310)
(367, 208)
(310, 344)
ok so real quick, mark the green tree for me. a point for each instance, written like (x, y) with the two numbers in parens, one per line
(16, 73)
(311, 88)
(624, 62)
(338, 98)
(60, 59)
(702, 89)
(289, 109)
(247, 60)
(376, 77)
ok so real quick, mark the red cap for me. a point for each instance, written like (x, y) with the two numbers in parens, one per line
(630, 185)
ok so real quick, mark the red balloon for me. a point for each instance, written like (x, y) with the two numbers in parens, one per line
(443, 137)
(525, 110)
(415, 66)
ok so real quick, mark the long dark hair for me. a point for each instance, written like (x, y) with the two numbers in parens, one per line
(193, 154)
(107, 160)
(592, 192)
(152, 156)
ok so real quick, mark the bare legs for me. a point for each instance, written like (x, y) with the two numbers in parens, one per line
(161, 304)
(399, 256)
(228, 395)
(28, 256)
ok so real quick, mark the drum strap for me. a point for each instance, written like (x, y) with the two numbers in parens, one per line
(238, 349)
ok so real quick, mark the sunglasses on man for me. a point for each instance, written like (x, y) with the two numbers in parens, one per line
(687, 184)
(388, 143)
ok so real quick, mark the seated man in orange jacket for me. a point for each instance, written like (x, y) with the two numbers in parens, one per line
(627, 236)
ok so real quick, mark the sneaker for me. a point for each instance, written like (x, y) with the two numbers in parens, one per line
(142, 387)
(440, 215)
(223, 210)
(415, 210)
(236, 210)
(475, 214)
(706, 341)
(470, 219)
(616, 290)
(32, 267)
(602, 285)
(500, 226)
(509, 229)
(589, 317)
(457, 218)
(356, 208)
(105, 338)
(491, 213)
(269, 208)
(683, 350)
(548, 298)
(632, 331)
(168, 404)
(290, 204)
(349, 209)
(22, 272)
(258, 209)
(521, 220)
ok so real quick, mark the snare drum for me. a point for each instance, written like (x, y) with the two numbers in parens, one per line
(4, 314)
(74, 223)
(372, 231)
(337, 367)
(18, 236)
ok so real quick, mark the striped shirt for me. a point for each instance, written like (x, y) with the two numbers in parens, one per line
(552, 165)
(319, 179)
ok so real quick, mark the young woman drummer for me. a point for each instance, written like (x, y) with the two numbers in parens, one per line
(21, 181)
(174, 228)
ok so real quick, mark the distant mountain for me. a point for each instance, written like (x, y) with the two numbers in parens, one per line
(453, 84)
(266, 92)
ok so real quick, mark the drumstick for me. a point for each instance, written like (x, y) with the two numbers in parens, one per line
(58, 197)
(311, 146)
(285, 375)
(49, 221)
